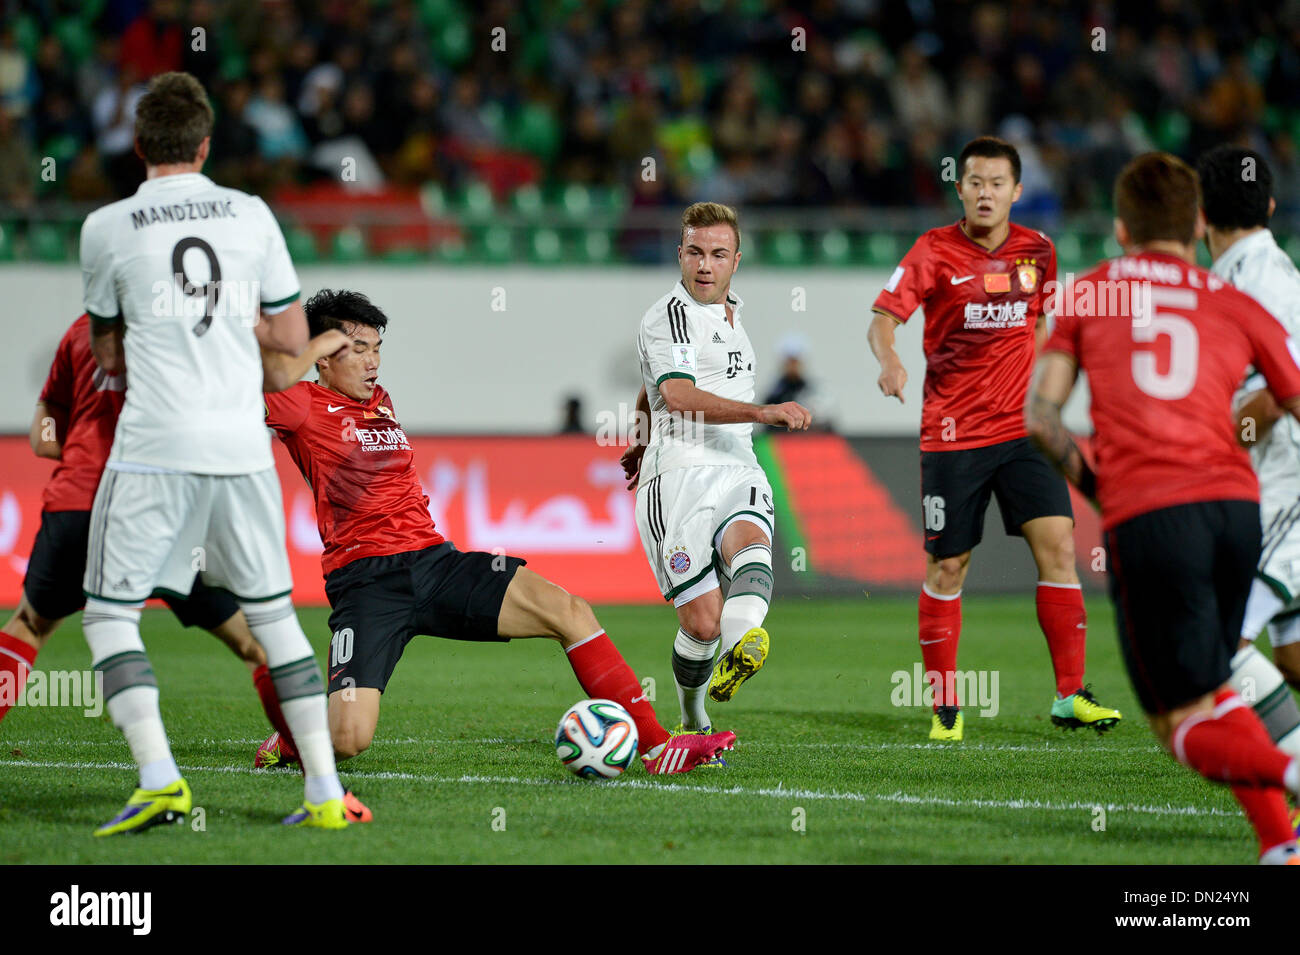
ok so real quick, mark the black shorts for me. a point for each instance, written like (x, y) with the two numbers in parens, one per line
(956, 486)
(58, 565)
(380, 603)
(1179, 578)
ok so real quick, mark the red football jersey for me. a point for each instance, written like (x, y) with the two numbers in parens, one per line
(1162, 384)
(981, 307)
(355, 457)
(92, 401)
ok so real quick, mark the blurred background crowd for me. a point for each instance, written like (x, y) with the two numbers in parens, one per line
(601, 106)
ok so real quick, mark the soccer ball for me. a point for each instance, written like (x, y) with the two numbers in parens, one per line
(596, 739)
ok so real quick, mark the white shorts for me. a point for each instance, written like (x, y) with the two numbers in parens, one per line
(1279, 559)
(682, 515)
(152, 532)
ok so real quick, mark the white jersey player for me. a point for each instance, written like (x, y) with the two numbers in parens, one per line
(704, 506)
(1237, 200)
(183, 282)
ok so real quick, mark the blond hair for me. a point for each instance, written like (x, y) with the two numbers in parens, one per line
(702, 214)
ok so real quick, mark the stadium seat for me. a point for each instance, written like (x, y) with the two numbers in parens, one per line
(348, 245)
(451, 251)
(76, 38)
(1171, 131)
(534, 130)
(881, 250)
(433, 200)
(545, 247)
(527, 202)
(47, 243)
(452, 43)
(834, 248)
(1069, 251)
(475, 202)
(495, 244)
(6, 241)
(596, 245)
(301, 245)
(404, 255)
(785, 248)
(575, 202)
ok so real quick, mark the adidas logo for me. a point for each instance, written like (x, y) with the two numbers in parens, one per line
(717, 339)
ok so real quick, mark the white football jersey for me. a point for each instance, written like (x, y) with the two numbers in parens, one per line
(680, 338)
(187, 266)
(1263, 271)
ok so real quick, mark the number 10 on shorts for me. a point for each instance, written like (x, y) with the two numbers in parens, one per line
(932, 505)
(341, 647)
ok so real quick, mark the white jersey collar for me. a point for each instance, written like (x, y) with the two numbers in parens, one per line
(178, 180)
(718, 311)
(1239, 250)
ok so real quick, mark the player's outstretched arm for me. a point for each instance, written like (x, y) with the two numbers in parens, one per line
(281, 371)
(284, 331)
(880, 336)
(1054, 377)
(48, 425)
(684, 398)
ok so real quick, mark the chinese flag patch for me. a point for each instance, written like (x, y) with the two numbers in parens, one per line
(997, 282)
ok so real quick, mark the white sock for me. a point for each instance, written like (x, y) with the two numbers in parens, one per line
(135, 713)
(1291, 776)
(1279, 854)
(113, 635)
(1261, 606)
(692, 669)
(1259, 683)
(749, 594)
(293, 667)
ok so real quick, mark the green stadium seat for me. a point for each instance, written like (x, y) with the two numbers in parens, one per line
(404, 255)
(882, 250)
(596, 245)
(835, 248)
(475, 202)
(527, 202)
(433, 200)
(495, 244)
(1110, 248)
(1171, 131)
(438, 13)
(301, 245)
(348, 245)
(6, 241)
(1069, 250)
(785, 248)
(576, 202)
(452, 43)
(451, 251)
(47, 243)
(545, 247)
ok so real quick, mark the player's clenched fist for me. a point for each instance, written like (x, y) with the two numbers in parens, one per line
(631, 461)
(788, 414)
(892, 379)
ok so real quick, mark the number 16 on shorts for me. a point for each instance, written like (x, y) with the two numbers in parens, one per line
(932, 510)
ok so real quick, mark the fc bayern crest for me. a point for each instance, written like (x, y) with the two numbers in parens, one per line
(679, 562)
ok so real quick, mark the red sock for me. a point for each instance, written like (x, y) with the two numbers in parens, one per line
(16, 660)
(605, 675)
(1268, 812)
(1230, 746)
(271, 704)
(938, 631)
(1064, 622)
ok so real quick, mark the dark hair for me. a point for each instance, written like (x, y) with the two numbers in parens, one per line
(1157, 196)
(1236, 185)
(989, 147)
(172, 119)
(332, 309)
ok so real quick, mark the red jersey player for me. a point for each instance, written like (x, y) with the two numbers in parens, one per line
(982, 283)
(389, 574)
(1165, 344)
(74, 424)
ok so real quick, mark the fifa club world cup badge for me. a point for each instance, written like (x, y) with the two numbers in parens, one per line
(1027, 272)
(679, 562)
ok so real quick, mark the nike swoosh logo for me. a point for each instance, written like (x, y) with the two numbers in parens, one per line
(957, 281)
(335, 407)
(643, 698)
(337, 672)
(926, 643)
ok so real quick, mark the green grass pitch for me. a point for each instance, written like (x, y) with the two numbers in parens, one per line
(463, 770)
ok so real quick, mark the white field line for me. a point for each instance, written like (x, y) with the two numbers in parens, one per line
(1044, 747)
(779, 792)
